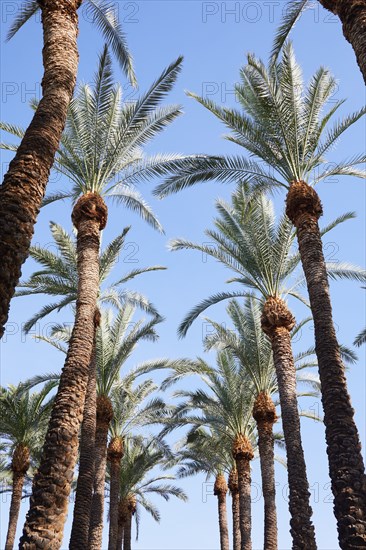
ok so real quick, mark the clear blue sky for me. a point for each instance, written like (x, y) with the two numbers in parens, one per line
(213, 37)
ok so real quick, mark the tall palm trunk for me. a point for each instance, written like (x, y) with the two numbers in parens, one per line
(220, 490)
(122, 514)
(52, 482)
(131, 509)
(234, 491)
(264, 414)
(25, 182)
(114, 455)
(19, 466)
(84, 490)
(352, 14)
(104, 417)
(277, 322)
(127, 532)
(346, 466)
(243, 454)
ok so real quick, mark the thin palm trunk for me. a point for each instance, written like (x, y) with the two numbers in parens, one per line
(220, 490)
(104, 416)
(52, 482)
(127, 532)
(84, 490)
(277, 322)
(236, 520)
(235, 506)
(115, 455)
(243, 454)
(264, 413)
(120, 535)
(352, 14)
(16, 497)
(121, 523)
(25, 182)
(346, 466)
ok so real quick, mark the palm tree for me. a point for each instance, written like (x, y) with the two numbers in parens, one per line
(59, 278)
(254, 352)
(227, 409)
(140, 458)
(23, 423)
(204, 451)
(249, 244)
(102, 140)
(25, 182)
(283, 125)
(352, 15)
(133, 408)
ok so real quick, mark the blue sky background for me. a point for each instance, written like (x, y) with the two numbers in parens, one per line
(214, 38)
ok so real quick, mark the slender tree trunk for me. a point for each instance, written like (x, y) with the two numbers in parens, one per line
(122, 514)
(115, 455)
(120, 535)
(352, 14)
(104, 416)
(236, 520)
(234, 491)
(84, 490)
(25, 182)
(127, 532)
(243, 454)
(346, 466)
(277, 322)
(52, 482)
(16, 497)
(264, 413)
(220, 490)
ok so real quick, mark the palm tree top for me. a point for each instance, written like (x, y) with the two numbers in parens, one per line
(258, 250)
(104, 15)
(102, 147)
(23, 417)
(141, 457)
(283, 125)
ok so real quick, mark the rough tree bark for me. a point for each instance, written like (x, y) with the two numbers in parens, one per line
(277, 322)
(346, 466)
(52, 482)
(264, 414)
(24, 184)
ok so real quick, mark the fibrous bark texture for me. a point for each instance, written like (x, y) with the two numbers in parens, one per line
(346, 466)
(24, 184)
(264, 413)
(277, 322)
(52, 482)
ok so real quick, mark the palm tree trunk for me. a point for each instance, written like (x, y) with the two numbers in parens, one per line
(25, 182)
(120, 535)
(352, 14)
(346, 466)
(127, 532)
(243, 454)
(243, 467)
(220, 490)
(104, 416)
(233, 485)
(236, 520)
(277, 322)
(52, 482)
(16, 497)
(84, 490)
(264, 413)
(115, 455)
